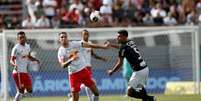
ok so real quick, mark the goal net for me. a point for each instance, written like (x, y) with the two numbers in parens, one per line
(172, 54)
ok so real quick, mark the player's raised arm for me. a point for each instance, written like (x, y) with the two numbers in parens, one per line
(114, 46)
(91, 45)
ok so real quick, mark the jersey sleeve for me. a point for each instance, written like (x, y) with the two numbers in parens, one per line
(122, 52)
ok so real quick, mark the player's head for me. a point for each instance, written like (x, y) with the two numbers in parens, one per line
(122, 36)
(21, 37)
(85, 35)
(63, 38)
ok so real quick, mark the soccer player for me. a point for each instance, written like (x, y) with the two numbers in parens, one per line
(89, 53)
(20, 58)
(72, 55)
(139, 77)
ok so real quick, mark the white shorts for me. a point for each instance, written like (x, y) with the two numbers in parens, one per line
(139, 78)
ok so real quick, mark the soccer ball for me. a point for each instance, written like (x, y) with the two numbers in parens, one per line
(95, 16)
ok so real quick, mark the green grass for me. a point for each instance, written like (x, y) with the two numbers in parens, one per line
(121, 98)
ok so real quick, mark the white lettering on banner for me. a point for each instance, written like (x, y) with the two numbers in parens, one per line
(109, 84)
(62, 85)
(152, 83)
(42, 85)
(119, 84)
(37, 85)
(160, 82)
(50, 85)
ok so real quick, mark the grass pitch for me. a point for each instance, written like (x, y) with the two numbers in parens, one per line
(121, 98)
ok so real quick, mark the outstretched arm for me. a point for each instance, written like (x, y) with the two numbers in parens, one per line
(114, 46)
(117, 66)
(91, 45)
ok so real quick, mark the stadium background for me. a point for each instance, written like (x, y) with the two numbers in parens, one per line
(52, 81)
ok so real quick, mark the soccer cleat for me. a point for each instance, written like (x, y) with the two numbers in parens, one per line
(153, 98)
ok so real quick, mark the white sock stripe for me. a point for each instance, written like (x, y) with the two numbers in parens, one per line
(89, 94)
(18, 96)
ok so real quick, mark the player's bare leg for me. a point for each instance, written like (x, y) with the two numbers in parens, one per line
(20, 91)
(95, 91)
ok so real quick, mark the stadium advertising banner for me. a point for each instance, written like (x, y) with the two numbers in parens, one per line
(56, 83)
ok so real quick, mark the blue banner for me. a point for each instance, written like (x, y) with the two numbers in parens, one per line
(56, 83)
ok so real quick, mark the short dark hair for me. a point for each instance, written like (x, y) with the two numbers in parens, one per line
(21, 33)
(86, 31)
(62, 33)
(123, 32)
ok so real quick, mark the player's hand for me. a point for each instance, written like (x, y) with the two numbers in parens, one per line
(107, 44)
(74, 55)
(15, 67)
(110, 72)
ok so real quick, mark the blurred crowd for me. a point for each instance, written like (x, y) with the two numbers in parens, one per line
(115, 13)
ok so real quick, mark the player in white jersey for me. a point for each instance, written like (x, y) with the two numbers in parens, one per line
(89, 53)
(20, 58)
(72, 55)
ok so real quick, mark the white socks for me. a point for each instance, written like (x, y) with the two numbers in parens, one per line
(18, 96)
(95, 98)
(89, 93)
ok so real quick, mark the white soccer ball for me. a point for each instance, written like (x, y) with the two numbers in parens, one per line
(95, 16)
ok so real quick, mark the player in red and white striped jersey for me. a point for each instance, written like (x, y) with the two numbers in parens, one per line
(88, 54)
(20, 58)
(72, 55)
